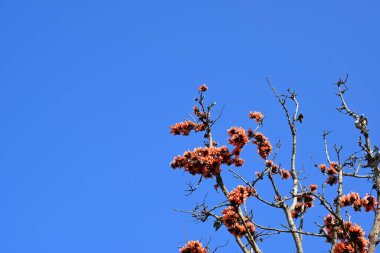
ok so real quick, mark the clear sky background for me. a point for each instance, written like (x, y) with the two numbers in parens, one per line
(88, 90)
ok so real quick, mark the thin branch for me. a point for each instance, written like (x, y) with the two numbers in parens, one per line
(288, 231)
(324, 134)
(192, 188)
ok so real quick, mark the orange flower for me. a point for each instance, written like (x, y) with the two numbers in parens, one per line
(200, 127)
(234, 224)
(343, 247)
(285, 174)
(184, 128)
(268, 163)
(237, 161)
(239, 195)
(352, 241)
(257, 116)
(196, 110)
(263, 145)
(352, 199)
(274, 169)
(368, 202)
(334, 165)
(332, 179)
(193, 247)
(204, 161)
(323, 168)
(305, 201)
(203, 87)
(294, 214)
(313, 187)
(238, 137)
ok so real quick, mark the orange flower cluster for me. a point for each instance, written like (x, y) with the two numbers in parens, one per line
(234, 224)
(343, 247)
(257, 116)
(263, 145)
(193, 247)
(313, 187)
(203, 87)
(273, 168)
(369, 202)
(240, 194)
(184, 128)
(238, 137)
(205, 161)
(351, 236)
(303, 203)
(353, 199)
(259, 175)
(201, 115)
(285, 174)
(332, 171)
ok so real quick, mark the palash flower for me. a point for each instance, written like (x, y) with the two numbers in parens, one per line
(237, 161)
(257, 116)
(200, 127)
(369, 203)
(343, 247)
(207, 161)
(351, 199)
(184, 128)
(329, 222)
(240, 194)
(332, 171)
(268, 163)
(236, 151)
(323, 168)
(250, 134)
(355, 200)
(334, 165)
(274, 169)
(259, 175)
(351, 236)
(234, 224)
(308, 200)
(344, 201)
(285, 174)
(238, 137)
(204, 161)
(331, 180)
(203, 87)
(263, 145)
(304, 202)
(193, 247)
(197, 112)
(356, 231)
(297, 211)
(313, 187)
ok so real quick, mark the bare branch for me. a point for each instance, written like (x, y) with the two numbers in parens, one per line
(192, 188)
(288, 231)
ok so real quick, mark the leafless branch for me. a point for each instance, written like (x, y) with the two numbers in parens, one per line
(288, 231)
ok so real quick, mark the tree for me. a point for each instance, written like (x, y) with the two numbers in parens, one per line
(209, 162)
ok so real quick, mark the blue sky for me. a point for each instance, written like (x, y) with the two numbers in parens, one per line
(89, 88)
